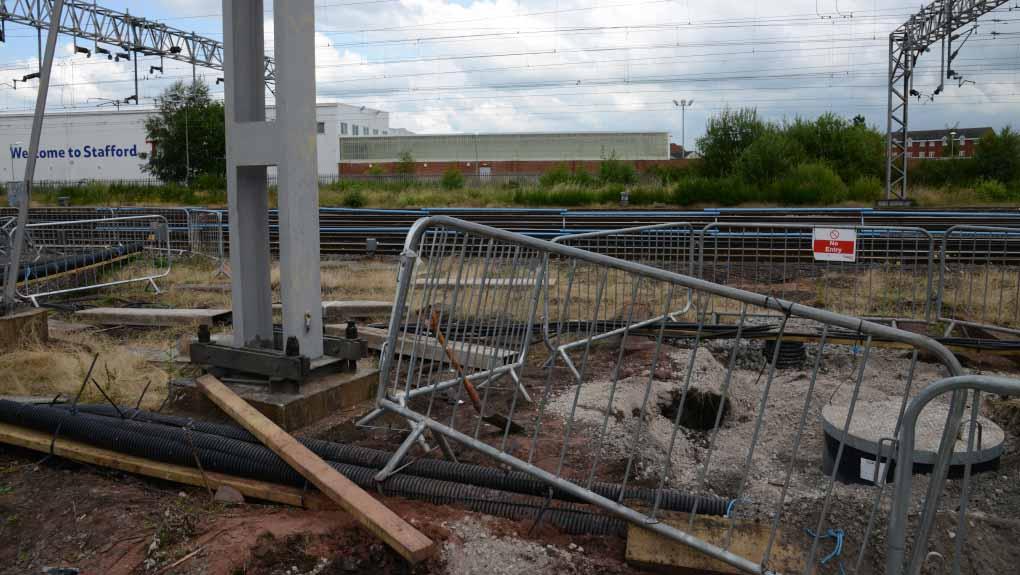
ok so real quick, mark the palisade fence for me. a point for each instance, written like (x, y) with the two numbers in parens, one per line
(71, 256)
(643, 438)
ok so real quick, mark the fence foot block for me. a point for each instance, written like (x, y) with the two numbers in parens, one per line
(651, 551)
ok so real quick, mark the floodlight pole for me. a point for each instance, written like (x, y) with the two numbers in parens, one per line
(683, 105)
(288, 142)
(11, 281)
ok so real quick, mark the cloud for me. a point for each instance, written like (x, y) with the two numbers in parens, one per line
(530, 65)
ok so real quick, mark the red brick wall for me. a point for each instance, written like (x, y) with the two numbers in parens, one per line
(498, 168)
(915, 148)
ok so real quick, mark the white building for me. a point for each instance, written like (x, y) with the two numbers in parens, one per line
(111, 144)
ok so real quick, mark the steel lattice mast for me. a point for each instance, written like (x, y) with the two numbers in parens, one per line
(88, 21)
(936, 22)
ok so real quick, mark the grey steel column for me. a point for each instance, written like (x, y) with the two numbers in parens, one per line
(10, 282)
(247, 193)
(297, 175)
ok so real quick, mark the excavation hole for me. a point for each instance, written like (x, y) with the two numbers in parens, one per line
(700, 409)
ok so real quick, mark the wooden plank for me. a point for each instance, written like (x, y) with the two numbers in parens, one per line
(376, 517)
(473, 355)
(84, 453)
(653, 551)
(153, 317)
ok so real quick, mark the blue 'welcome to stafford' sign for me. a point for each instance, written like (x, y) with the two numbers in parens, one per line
(107, 151)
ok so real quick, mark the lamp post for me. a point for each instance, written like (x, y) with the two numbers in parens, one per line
(683, 105)
(952, 143)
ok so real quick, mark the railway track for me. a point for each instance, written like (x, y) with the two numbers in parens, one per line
(345, 231)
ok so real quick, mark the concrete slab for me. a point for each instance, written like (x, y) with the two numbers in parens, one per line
(154, 317)
(26, 326)
(344, 310)
(475, 356)
(655, 552)
(317, 398)
(61, 328)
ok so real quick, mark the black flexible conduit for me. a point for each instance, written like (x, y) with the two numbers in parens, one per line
(502, 480)
(132, 438)
(44, 268)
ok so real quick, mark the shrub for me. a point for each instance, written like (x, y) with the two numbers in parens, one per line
(558, 174)
(811, 183)
(669, 173)
(613, 171)
(406, 166)
(865, 189)
(452, 179)
(561, 174)
(769, 158)
(998, 155)
(994, 191)
(938, 173)
(374, 170)
(649, 195)
(353, 199)
(723, 191)
(582, 178)
(210, 182)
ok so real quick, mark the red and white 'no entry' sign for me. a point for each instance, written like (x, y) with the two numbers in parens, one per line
(835, 244)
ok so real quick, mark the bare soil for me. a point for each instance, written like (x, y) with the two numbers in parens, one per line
(58, 513)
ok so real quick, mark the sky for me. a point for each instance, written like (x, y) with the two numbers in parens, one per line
(461, 66)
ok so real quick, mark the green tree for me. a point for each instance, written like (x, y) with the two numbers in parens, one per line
(726, 137)
(188, 135)
(851, 148)
(998, 155)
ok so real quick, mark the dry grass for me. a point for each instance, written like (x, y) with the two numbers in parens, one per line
(60, 366)
(984, 294)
